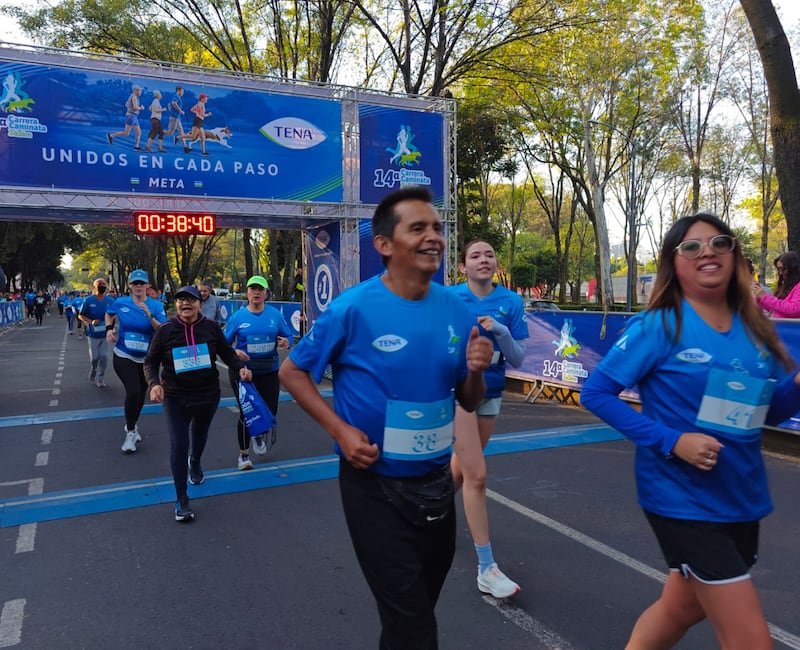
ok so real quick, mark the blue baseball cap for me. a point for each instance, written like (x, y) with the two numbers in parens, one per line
(192, 292)
(138, 276)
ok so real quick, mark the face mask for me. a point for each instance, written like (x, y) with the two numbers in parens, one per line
(101, 288)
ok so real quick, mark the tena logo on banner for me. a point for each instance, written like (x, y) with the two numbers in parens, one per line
(293, 133)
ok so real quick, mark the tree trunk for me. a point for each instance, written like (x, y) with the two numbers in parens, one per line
(784, 99)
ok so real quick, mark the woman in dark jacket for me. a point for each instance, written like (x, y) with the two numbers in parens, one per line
(185, 348)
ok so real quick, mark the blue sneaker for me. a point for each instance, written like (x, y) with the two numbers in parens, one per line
(182, 510)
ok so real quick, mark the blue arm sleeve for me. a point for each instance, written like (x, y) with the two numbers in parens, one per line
(785, 401)
(512, 350)
(600, 395)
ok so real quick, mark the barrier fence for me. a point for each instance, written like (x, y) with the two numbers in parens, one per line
(564, 347)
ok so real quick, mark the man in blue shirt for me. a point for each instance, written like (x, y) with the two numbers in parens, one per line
(92, 314)
(402, 350)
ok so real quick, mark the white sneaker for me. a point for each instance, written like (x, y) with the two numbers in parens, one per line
(259, 446)
(135, 430)
(493, 581)
(130, 441)
(244, 463)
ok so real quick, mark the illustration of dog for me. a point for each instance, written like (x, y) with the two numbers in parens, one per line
(219, 134)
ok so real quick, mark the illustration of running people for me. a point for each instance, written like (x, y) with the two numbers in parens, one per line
(405, 152)
(14, 99)
(175, 113)
(156, 127)
(132, 108)
(197, 133)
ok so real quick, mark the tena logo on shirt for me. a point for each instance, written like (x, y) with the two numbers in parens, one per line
(389, 343)
(694, 355)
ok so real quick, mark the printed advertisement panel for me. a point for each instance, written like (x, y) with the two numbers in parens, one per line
(400, 147)
(564, 348)
(91, 130)
(322, 267)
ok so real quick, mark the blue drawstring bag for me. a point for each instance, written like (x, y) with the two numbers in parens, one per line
(255, 412)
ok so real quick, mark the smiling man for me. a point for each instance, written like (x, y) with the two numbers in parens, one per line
(402, 350)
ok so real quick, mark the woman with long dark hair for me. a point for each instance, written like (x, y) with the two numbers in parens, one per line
(785, 302)
(710, 371)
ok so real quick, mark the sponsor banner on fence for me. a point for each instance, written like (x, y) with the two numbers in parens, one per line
(564, 347)
(10, 312)
(322, 266)
(70, 129)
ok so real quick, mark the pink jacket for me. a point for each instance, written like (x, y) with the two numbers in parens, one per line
(788, 307)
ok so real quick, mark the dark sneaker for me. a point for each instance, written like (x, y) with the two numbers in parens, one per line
(182, 510)
(196, 476)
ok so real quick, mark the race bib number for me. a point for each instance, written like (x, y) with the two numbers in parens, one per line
(187, 359)
(418, 430)
(136, 342)
(734, 403)
(259, 345)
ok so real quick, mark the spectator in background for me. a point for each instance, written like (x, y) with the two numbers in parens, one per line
(752, 269)
(785, 303)
(209, 302)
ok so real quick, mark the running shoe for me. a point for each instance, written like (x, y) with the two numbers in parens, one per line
(138, 438)
(182, 510)
(196, 476)
(493, 581)
(100, 383)
(92, 374)
(129, 446)
(244, 462)
(259, 446)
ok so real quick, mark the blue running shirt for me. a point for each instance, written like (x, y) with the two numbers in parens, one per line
(135, 328)
(257, 335)
(384, 348)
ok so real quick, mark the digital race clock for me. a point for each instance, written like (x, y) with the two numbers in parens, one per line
(174, 223)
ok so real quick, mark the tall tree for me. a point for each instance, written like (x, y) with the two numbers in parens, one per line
(784, 99)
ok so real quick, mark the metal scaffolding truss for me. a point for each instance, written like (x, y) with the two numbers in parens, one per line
(57, 204)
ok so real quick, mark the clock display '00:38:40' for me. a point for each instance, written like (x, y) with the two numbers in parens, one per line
(174, 223)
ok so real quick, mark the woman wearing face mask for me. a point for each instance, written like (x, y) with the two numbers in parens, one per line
(138, 317)
(185, 349)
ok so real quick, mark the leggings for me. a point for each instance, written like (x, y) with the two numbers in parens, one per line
(131, 374)
(268, 386)
(186, 421)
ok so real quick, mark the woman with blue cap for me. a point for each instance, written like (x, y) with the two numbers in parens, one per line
(130, 324)
(181, 372)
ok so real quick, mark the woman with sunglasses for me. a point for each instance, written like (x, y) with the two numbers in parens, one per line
(185, 350)
(130, 324)
(711, 371)
(785, 302)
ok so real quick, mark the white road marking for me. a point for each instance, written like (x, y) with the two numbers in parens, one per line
(56, 391)
(42, 458)
(26, 538)
(787, 638)
(53, 402)
(47, 436)
(11, 622)
(524, 621)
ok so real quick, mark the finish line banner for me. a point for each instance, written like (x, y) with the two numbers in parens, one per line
(63, 128)
(564, 347)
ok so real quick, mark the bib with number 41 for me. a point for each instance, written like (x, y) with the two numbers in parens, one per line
(734, 403)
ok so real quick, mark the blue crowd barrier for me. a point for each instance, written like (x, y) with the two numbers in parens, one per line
(10, 312)
(290, 311)
(564, 347)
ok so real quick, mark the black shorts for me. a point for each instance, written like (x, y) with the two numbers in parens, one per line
(710, 551)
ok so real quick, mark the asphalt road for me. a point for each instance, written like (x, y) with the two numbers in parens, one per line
(90, 556)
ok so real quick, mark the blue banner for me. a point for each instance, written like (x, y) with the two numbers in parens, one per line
(322, 266)
(564, 347)
(400, 147)
(84, 130)
(10, 312)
